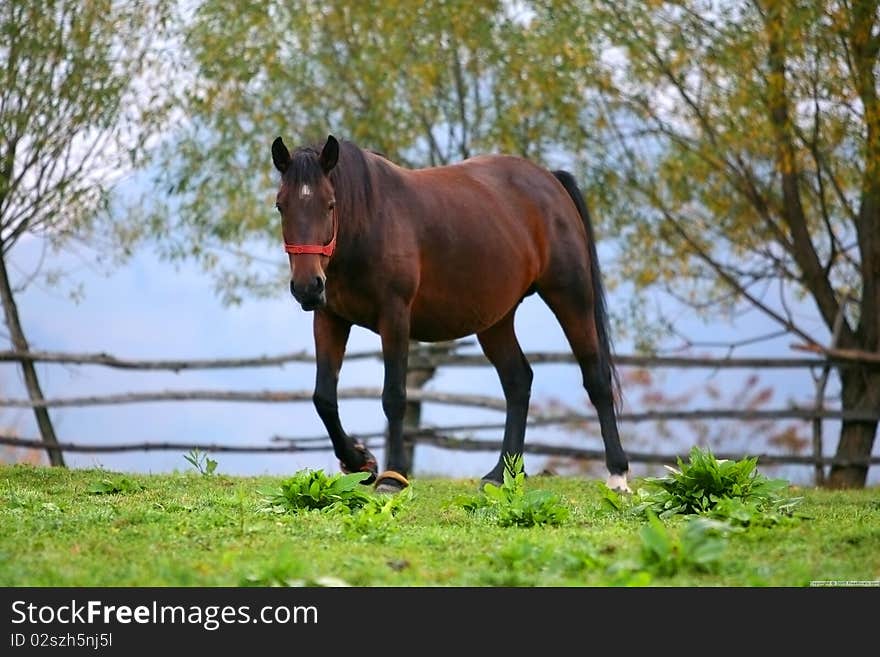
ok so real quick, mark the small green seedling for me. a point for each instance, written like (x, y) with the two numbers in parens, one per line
(200, 461)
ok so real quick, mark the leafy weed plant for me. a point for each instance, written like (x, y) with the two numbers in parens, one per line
(510, 504)
(314, 489)
(376, 519)
(722, 489)
(112, 485)
(698, 546)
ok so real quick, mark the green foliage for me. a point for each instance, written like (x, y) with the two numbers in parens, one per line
(613, 500)
(17, 502)
(201, 462)
(113, 484)
(185, 530)
(724, 126)
(510, 504)
(755, 512)
(376, 519)
(81, 92)
(724, 489)
(308, 490)
(697, 546)
(524, 562)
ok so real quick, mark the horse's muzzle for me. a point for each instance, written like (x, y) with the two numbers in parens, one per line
(313, 297)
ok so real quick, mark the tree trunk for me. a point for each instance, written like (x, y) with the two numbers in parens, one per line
(860, 390)
(31, 382)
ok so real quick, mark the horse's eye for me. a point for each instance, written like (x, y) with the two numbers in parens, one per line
(331, 205)
(278, 207)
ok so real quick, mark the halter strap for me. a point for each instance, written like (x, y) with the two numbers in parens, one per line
(317, 249)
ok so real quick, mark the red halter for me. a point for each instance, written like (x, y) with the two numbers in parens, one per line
(326, 250)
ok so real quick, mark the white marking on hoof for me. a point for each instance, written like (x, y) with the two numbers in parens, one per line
(305, 191)
(618, 483)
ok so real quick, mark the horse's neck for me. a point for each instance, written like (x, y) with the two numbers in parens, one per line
(361, 205)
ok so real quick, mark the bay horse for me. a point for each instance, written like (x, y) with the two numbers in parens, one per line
(437, 254)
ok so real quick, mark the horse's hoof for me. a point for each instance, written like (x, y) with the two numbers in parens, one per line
(391, 482)
(370, 464)
(618, 483)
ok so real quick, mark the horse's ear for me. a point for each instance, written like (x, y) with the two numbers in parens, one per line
(280, 155)
(329, 154)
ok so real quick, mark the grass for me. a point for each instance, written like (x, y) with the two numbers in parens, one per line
(73, 528)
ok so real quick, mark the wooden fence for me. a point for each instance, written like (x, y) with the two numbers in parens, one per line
(425, 360)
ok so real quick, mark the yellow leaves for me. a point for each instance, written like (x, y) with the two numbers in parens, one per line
(645, 277)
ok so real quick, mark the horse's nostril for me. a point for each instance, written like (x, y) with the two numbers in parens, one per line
(319, 285)
(291, 289)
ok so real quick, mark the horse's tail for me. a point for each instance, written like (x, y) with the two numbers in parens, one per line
(600, 310)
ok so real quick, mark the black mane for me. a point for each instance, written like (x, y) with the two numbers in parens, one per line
(304, 168)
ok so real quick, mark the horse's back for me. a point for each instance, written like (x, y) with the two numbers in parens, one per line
(507, 176)
(483, 231)
(511, 200)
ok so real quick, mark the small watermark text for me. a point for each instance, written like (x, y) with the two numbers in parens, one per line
(845, 582)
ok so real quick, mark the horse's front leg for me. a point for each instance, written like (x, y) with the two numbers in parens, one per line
(331, 336)
(394, 331)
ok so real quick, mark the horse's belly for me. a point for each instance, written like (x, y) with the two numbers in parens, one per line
(468, 290)
(451, 319)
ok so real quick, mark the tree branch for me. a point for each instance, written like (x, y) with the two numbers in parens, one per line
(804, 251)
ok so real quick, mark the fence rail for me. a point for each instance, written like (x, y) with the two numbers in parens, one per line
(426, 359)
(425, 356)
(422, 437)
(436, 397)
(432, 355)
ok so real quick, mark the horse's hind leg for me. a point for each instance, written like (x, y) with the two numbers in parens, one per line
(501, 347)
(574, 310)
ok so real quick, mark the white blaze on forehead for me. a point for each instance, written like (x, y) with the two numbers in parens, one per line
(305, 191)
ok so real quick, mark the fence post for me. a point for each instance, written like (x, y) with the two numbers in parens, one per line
(28, 367)
(821, 383)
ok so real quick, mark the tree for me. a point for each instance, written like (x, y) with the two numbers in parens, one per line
(742, 164)
(425, 83)
(78, 99)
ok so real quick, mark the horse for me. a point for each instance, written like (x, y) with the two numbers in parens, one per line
(437, 254)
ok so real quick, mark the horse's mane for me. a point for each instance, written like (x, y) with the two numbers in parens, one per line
(352, 178)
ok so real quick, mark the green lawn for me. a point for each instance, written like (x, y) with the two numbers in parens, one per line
(185, 529)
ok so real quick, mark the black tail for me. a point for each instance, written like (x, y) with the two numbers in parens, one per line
(600, 311)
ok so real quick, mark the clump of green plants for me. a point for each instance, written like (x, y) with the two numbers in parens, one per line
(376, 518)
(698, 546)
(510, 504)
(313, 489)
(719, 488)
(201, 462)
(112, 485)
(754, 513)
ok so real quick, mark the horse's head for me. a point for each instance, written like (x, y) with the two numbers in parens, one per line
(307, 205)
